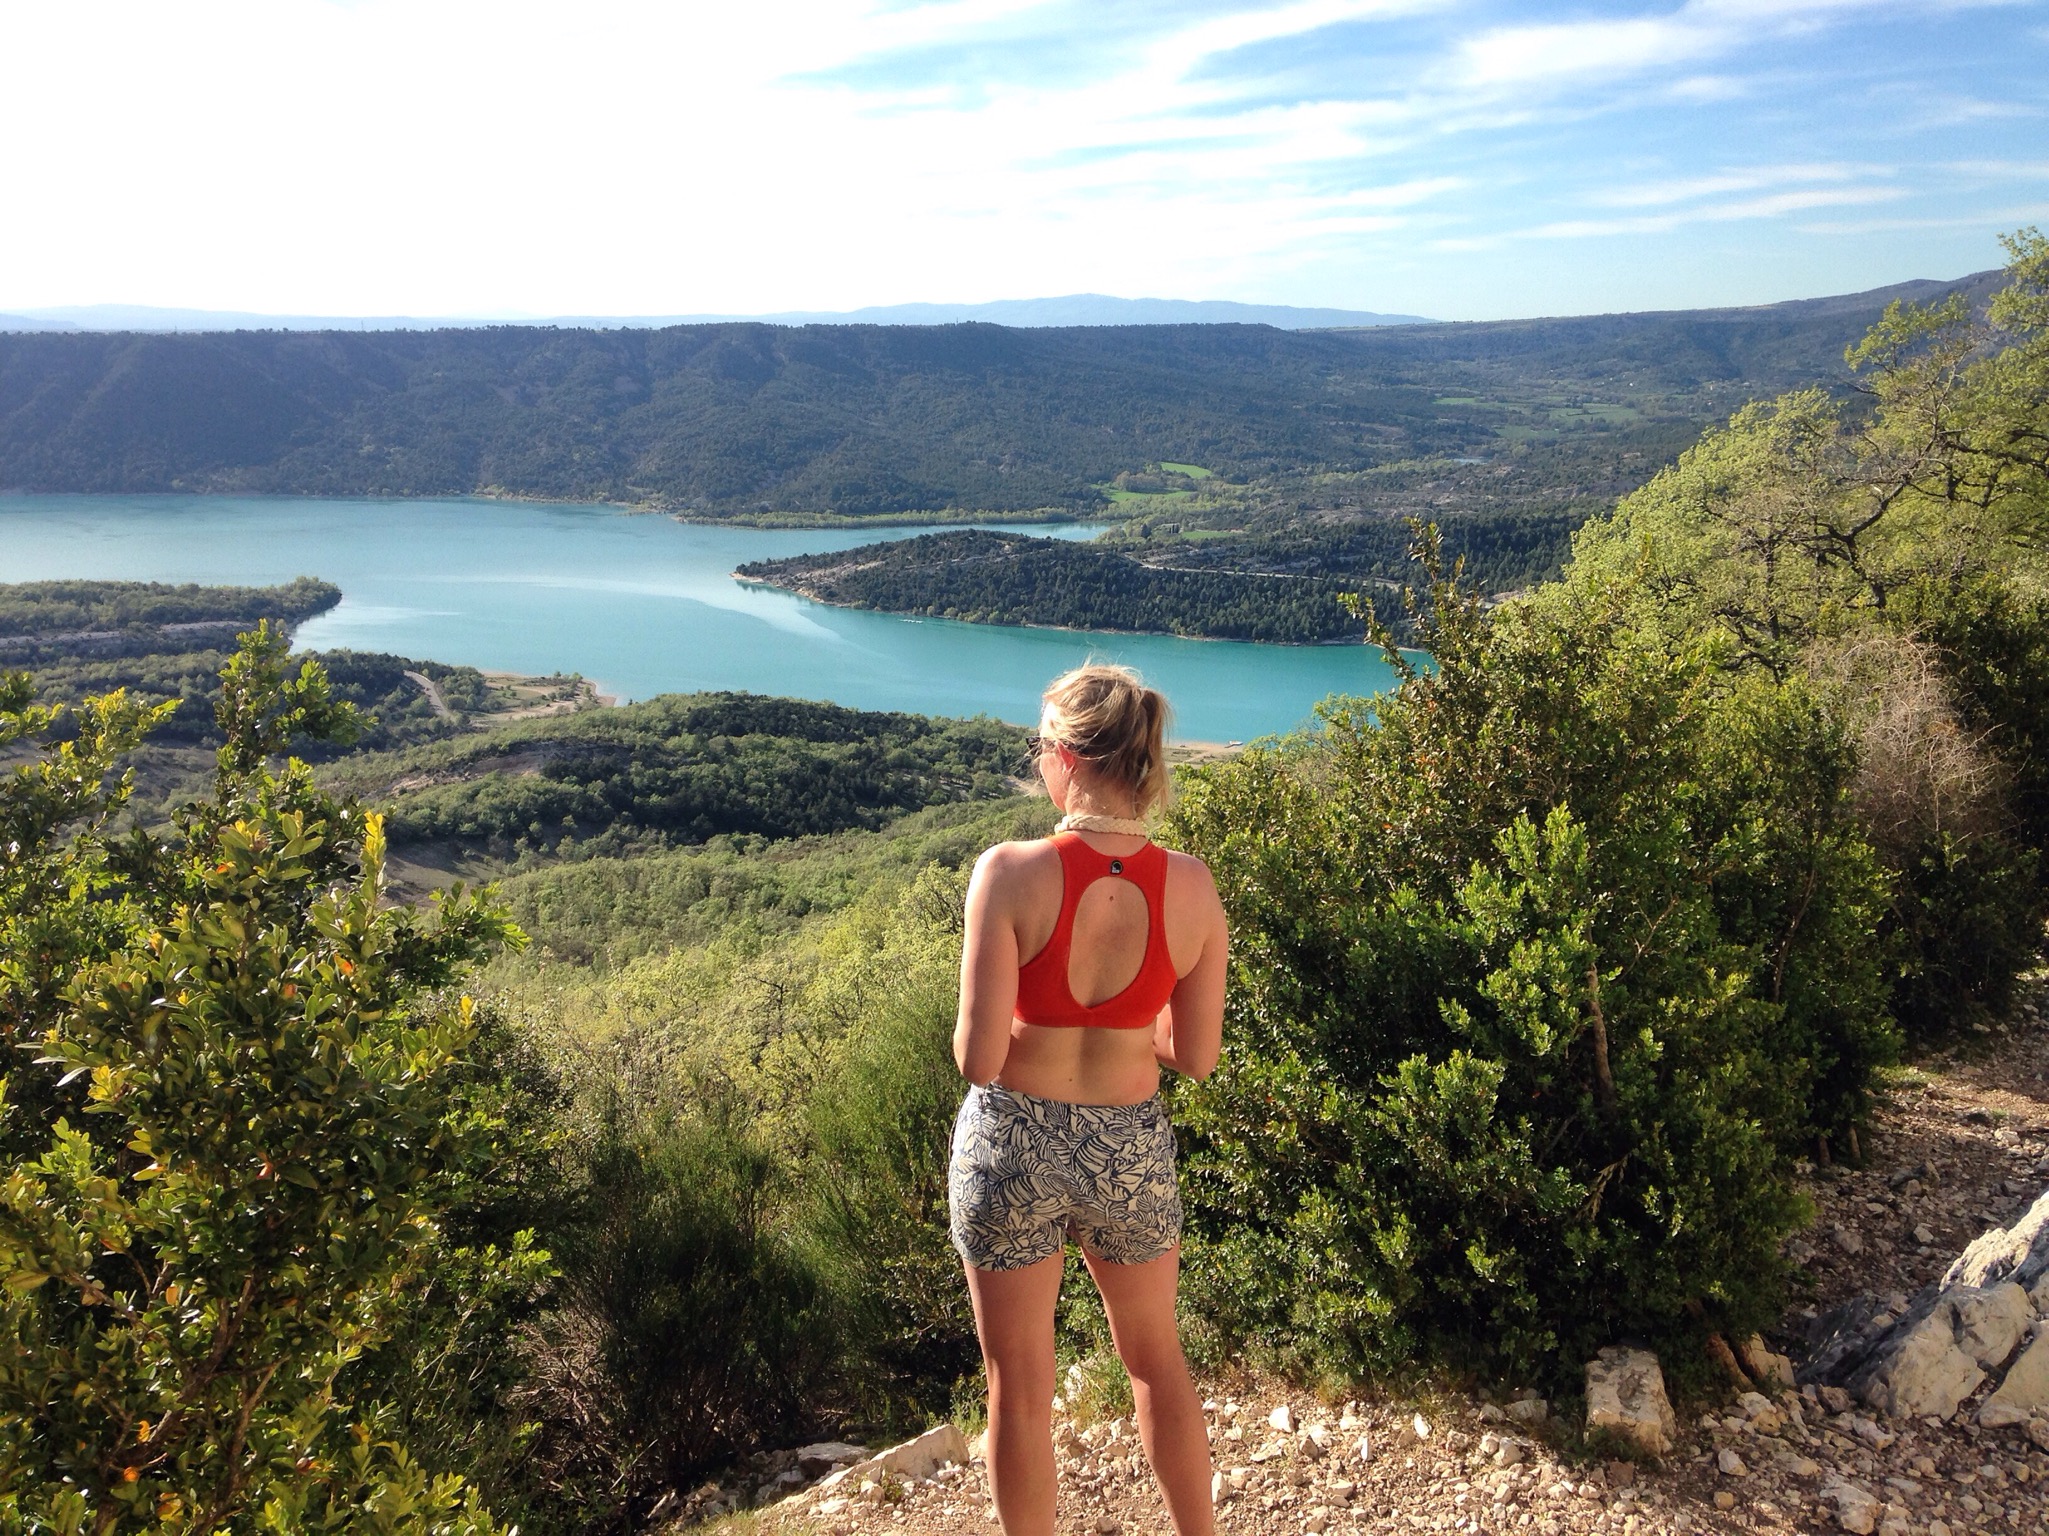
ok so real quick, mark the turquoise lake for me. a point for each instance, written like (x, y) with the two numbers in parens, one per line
(642, 605)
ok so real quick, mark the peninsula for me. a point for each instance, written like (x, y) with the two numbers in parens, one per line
(1007, 578)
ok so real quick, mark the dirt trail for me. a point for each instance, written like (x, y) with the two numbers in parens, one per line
(426, 686)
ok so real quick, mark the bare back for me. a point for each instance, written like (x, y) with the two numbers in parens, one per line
(1014, 904)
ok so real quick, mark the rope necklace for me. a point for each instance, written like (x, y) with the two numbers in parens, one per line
(1088, 821)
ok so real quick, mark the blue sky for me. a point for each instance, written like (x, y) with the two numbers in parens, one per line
(1463, 160)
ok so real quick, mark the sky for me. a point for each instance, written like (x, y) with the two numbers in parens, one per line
(620, 157)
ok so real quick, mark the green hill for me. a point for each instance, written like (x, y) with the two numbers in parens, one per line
(758, 420)
(673, 771)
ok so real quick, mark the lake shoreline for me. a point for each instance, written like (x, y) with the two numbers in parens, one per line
(644, 605)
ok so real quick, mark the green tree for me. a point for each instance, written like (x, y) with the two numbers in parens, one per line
(1892, 554)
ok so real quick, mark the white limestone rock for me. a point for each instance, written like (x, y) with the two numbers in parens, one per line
(1990, 1320)
(2019, 1253)
(1529, 1411)
(822, 1457)
(1932, 1364)
(915, 1458)
(1626, 1398)
(1856, 1509)
(2025, 1392)
(1764, 1415)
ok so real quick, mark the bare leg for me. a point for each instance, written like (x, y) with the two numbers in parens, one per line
(1140, 1301)
(1014, 1319)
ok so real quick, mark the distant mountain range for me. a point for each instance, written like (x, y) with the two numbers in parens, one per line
(754, 420)
(1073, 309)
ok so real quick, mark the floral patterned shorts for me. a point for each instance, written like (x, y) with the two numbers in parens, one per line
(1027, 1172)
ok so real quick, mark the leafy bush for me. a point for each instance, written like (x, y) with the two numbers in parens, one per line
(1991, 636)
(754, 1244)
(880, 1123)
(689, 1326)
(1539, 974)
(449, 1375)
(233, 1148)
(1937, 799)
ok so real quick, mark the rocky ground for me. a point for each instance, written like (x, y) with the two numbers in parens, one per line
(1962, 1145)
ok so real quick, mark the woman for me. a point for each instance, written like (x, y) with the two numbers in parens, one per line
(1092, 959)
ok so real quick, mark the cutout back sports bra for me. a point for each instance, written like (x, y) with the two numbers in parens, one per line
(1043, 995)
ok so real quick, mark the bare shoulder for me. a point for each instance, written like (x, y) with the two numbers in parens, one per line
(1189, 878)
(1008, 863)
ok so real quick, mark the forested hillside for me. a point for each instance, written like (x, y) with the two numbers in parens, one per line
(167, 644)
(675, 770)
(76, 615)
(1284, 586)
(757, 420)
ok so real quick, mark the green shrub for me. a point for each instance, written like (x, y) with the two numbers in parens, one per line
(689, 1327)
(1968, 913)
(1992, 636)
(1538, 976)
(451, 1371)
(232, 1148)
(1805, 538)
(880, 1122)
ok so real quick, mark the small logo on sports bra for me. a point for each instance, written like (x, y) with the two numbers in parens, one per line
(1116, 866)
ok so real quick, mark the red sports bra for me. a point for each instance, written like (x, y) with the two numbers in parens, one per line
(1043, 996)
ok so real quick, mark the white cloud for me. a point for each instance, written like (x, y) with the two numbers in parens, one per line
(2008, 217)
(1713, 213)
(1612, 48)
(1708, 88)
(1574, 50)
(1748, 179)
(2002, 170)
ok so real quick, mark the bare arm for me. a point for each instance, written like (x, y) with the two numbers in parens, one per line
(1189, 1034)
(988, 973)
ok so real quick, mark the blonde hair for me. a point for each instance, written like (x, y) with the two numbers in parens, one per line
(1106, 715)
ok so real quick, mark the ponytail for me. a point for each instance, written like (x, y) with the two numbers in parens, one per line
(1109, 717)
